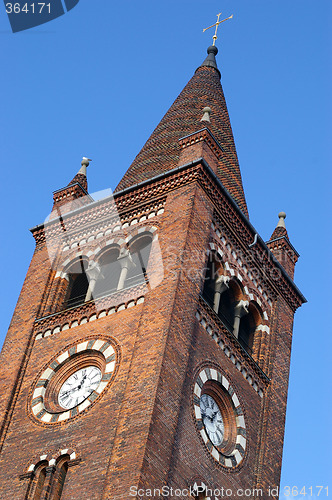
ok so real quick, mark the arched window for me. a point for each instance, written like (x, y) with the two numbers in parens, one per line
(226, 308)
(78, 284)
(37, 482)
(59, 478)
(213, 280)
(248, 325)
(139, 249)
(110, 270)
(225, 296)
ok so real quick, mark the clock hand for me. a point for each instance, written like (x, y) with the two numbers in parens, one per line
(67, 392)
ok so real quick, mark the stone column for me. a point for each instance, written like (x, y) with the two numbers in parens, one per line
(221, 285)
(240, 310)
(93, 273)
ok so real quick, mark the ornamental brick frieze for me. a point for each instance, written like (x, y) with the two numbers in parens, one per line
(89, 312)
(94, 220)
(237, 265)
(118, 234)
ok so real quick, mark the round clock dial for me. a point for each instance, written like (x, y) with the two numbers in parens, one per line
(79, 386)
(212, 419)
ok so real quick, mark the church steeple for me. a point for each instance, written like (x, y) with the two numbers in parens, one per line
(161, 152)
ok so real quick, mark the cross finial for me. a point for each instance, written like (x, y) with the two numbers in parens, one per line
(217, 25)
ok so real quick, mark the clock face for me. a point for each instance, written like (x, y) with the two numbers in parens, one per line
(79, 386)
(212, 419)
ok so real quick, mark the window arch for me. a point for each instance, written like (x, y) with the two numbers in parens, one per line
(226, 296)
(139, 249)
(78, 283)
(37, 482)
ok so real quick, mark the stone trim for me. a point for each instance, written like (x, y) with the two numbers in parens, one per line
(236, 456)
(51, 460)
(37, 407)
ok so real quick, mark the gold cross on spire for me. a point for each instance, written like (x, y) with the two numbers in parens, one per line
(217, 25)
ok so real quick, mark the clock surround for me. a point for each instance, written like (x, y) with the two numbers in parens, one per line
(43, 403)
(231, 451)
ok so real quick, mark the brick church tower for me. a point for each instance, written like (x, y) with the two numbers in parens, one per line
(150, 345)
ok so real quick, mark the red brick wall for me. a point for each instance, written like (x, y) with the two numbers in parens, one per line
(141, 431)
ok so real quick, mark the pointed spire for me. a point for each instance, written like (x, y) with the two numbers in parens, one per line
(280, 229)
(162, 150)
(281, 247)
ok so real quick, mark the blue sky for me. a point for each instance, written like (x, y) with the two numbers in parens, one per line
(96, 81)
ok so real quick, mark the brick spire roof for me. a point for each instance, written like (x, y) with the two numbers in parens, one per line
(161, 151)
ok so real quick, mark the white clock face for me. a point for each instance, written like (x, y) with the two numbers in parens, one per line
(79, 386)
(212, 419)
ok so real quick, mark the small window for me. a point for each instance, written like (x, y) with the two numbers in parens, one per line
(59, 479)
(226, 308)
(247, 328)
(37, 482)
(214, 270)
(40, 484)
(79, 285)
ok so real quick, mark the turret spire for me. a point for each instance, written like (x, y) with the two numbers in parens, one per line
(281, 247)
